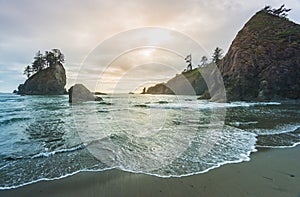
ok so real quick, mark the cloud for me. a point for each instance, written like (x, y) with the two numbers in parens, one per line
(77, 27)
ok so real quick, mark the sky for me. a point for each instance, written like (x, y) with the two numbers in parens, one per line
(120, 46)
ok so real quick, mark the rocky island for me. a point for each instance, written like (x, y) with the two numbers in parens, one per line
(46, 76)
(50, 81)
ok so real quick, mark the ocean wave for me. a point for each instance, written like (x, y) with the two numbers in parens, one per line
(13, 120)
(48, 154)
(103, 110)
(247, 158)
(164, 156)
(238, 123)
(105, 103)
(4, 166)
(277, 130)
(244, 157)
(279, 140)
(204, 105)
(240, 157)
(141, 105)
(290, 146)
(249, 104)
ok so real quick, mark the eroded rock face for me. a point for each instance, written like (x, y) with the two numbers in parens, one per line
(79, 93)
(263, 61)
(50, 81)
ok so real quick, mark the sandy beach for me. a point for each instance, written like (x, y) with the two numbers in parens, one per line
(271, 172)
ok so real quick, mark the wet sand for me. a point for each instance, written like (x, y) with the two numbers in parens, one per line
(271, 172)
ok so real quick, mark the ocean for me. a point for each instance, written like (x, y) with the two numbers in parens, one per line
(45, 137)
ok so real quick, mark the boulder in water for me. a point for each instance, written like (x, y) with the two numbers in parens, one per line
(79, 93)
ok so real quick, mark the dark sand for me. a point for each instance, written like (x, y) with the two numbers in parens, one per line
(274, 172)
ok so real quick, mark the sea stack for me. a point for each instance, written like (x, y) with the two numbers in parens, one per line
(50, 81)
(263, 61)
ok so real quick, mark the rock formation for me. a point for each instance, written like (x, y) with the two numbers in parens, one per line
(50, 81)
(263, 61)
(262, 64)
(79, 93)
(188, 83)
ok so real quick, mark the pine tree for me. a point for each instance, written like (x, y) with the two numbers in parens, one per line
(280, 12)
(217, 55)
(203, 61)
(39, 62)
(54, 57)
(188, 60)
(28, 71)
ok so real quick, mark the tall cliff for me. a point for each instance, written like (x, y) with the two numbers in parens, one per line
(263, 61)
(50, 81)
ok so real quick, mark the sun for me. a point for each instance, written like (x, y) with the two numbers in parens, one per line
(147, 52)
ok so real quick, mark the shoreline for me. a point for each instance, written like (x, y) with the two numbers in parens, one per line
(270, 172)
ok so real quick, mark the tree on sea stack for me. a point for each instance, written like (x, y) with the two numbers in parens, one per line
(280, 12)
(46, 75)
(49, 59)
(188, 60)
(39, 62)
(217, 55)
(28, 71)
(53, 57)
(203, 61)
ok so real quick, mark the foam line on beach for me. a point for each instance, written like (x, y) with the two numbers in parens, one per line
(195, 173)
(55, 178)
(244, 158)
